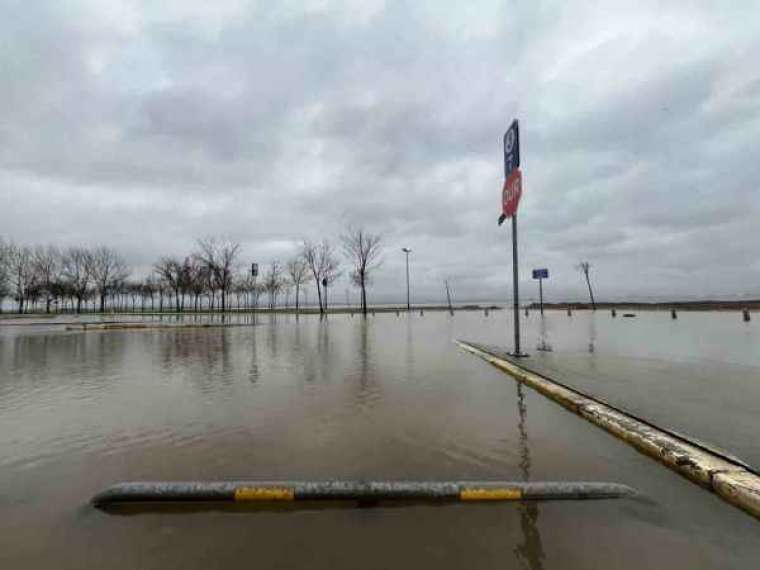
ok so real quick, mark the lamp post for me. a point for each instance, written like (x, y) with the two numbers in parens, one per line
(254, 296)
(407, 251)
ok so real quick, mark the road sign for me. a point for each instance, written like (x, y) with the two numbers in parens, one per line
(511, 192)
(541, 274)
(511, 149)
(254, 269)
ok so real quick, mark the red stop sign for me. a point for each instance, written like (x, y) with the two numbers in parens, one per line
(510, 194)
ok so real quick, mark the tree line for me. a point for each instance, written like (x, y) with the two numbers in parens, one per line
(210, 277)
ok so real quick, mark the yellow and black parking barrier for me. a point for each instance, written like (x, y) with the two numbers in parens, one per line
(275, 491)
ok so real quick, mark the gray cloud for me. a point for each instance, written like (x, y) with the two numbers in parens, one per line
(144, 125)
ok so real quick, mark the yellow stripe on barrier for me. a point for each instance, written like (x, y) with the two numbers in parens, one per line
(264, 494)
(502, 494)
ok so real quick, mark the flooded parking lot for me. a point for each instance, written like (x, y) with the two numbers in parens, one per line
(389, 397)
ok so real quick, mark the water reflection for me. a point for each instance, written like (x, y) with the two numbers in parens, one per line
(253, 368)
(368, 390)
(363, 353)
(35, 358)
(409, 346)
(531, 550)
(543, 337)
(325, 357)
(273, 335)
(591, 333)
(208, 350)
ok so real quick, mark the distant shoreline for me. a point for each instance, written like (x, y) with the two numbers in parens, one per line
(258, 311)
(752, 304)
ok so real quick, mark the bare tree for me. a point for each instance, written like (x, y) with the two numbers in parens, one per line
(169, 270)
(363, 251)
(46, 264)
(241, 287)
(150, 289)
(60, 292)
(108, 271)
(209, 285)
(198, 281)
(258, 290)
(76, 273)
(321, 260)
(247, 284)
(585, 267)
(161, 286)
(330, 276)
(296, 269)
(186, 277)
(286, 288)
(219, 255)
(273, 282)
(20, 271)
(133, 290)
(310, 256)
(119, 296)
(4, 277)
(228, 252)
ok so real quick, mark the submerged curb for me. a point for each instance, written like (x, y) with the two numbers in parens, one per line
(730, 480)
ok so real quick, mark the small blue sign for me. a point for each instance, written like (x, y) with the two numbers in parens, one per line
(540, 274)
(511, 149)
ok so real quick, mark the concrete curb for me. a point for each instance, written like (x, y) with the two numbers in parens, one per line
(731, 481)
(277, 491)
(90, 327)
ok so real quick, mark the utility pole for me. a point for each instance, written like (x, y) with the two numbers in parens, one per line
(407, 251)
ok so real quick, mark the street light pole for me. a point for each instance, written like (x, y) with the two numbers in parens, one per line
(254, 296)
(407, 251)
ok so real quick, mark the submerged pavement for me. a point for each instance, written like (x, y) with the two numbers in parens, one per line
(730, 478)
(716, 404)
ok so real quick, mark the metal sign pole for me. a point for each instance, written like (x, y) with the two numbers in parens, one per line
(515, 291)
(510, 198)
(541, 295)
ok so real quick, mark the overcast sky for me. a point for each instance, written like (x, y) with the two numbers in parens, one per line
(145, 125)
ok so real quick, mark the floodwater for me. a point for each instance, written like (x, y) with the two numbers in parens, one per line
(389, 397)
(698, 375)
